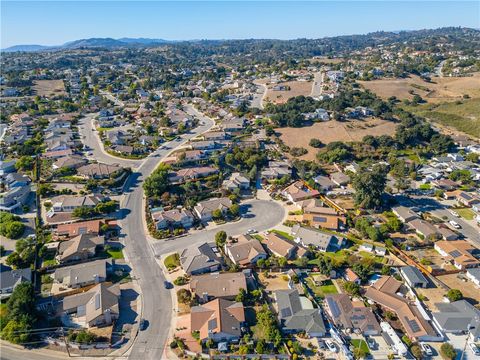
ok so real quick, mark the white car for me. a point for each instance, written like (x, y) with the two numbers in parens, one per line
(331, 346)
(251, 231)
(474, 348)
(454, 213)
(426, 349)
(454, 224)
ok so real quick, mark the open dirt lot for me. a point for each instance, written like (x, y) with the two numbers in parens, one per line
(439, 90)
(297, 88)
(49, 87)
(330, 131)
(470, 292)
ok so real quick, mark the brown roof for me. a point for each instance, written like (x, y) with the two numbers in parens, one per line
(218, 285)
(384, 291)
(246, 249)
(217, 316)
(278, 244)
(350, 275)
(460, 251)
(84, 227)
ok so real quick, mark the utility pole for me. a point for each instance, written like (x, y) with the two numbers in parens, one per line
(66, 342)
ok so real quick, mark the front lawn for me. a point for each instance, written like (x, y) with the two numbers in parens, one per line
(114, 253)
(360, 343)
(284, 234)
(466, 213)
(172, 261)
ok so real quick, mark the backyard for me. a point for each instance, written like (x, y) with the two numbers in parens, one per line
(323, 288)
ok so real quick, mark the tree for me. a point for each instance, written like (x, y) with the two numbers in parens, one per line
(217, 214)
(454, 295)
(416, 352)
(106, 207)
(282, 261)
(241, 296)
(16, 332)
(315, 143)
(234, 210)
(184, 296)
(157, 183)
(351, 288)
(84, 212)
(369, 186)
(10, 225)
(260, 348)
(220, 238)
(45, 189)
(448, 352)
(25, 163)
(360, 352)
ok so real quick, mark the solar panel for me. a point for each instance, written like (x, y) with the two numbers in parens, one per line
(414, 325)
(455, 253)
(212, 324)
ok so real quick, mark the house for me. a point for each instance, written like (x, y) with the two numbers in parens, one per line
(380, 250)
(214, 135)
(175, 217)
(296, 314)
(467, 199)
(14, 197)
(200, 259)
(339, 178)
(324, 183)
(473, 275)
(351, 316)
(318, 114)
(366, 247)
(425, 229)
(219, 320)
(404, 213)
(414, 277)
(322, 217)
(385, 292)
(70, 203)
(7, 167)
(98, 171)
(455, 317)
(95, 307)
(204, 209)
(69, 162)
(84, 227)
(460, 252)
(280, 246)
(299, 191)
(307, 237)
(351, 276)
(246, 251)
(187, 174)
(10, 279)
(218, 285)
(81, 275)
(276, 170)
(236, 181)
(447, 234)
(81, 247)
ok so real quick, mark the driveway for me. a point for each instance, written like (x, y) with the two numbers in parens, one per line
(260, 215)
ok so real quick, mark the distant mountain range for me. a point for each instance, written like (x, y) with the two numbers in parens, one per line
(90, 43)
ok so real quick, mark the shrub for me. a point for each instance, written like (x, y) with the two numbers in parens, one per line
(454, 295)
(448, 351)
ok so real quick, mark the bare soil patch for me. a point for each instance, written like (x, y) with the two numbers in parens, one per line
(49, 87)
(330, 131)
(297, 88)
(438, 90)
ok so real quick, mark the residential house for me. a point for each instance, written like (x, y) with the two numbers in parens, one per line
(321, 241)
(425, 229)
(404, 213)
(296, 314)
(385, 292)
(14, 197)
(366, 247)
(188, 174)
(204, 209)
(280, 246)
(84, 227)
(7, 167)
(339, 178)
(84, 274)
(460, 252)
(276, 170)
(473, 275)
(69, 162)
(81, 247)
(69, 203)
(456, 317)
(214, 135)
(322, 217)
(467, 199)
(351, 316)
(236, 181)
(351, 276)
(324, 183)
(175, 217)
(299, 191)
(10, 279)
(200, 259)
(98, 171)
(246, 251)
(95, 307)
(218, 285)
(414, 277)
(219, 320)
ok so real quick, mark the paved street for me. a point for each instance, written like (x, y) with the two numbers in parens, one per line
(257, 101)
(317, 84)
(258, 214)
(91, 139)
(157, 305)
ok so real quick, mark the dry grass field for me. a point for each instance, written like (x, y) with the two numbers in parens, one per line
(49, 87)
(439, 90)
(297, 88)
(330, 131)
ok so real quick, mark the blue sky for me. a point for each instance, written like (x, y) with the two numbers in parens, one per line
(55, 22)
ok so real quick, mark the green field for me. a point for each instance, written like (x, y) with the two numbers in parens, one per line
(115, 253)
(172, 261)
(466, 213)
(463, 115)
(360, 343)
(321, 291)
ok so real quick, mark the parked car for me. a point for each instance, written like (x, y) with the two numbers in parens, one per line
(474, 348)
(251, 231)
(371, 343)
(426, 349)
(331, 346)
(143, 325)
(321, 345)
(167, 285)
(454, 213)
(455, 224)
